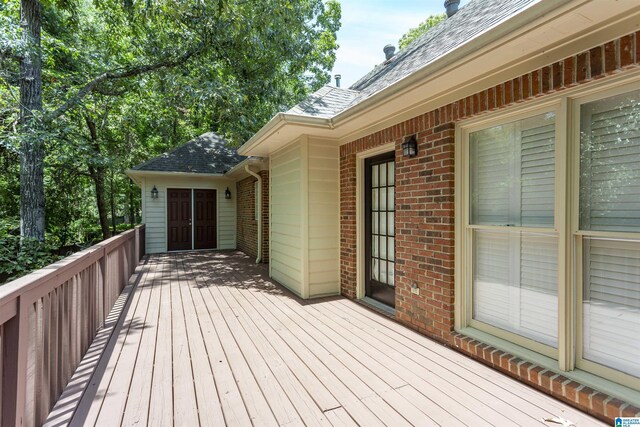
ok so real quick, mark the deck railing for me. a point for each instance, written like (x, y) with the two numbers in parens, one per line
(49, 318)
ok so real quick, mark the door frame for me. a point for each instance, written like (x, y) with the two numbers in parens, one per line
(360, 213)
(166, 218)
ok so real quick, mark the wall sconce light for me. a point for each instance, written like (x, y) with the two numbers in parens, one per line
(410, 146)
(154, 192)
(227, 194)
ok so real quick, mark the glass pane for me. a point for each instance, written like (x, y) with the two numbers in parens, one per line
(512, 173)
(383, 223)
(515, 283)
(611, 303)
(374, 223)
(391, 242)
(383, 199)
(383, 271)
(391, 228)
(374, 176)
(383, 248)
(374, 246)
(391, 170)
(374, 269)
(374, 199)
(390, 198)
(383, 174)
(391, 274)
(610, 163)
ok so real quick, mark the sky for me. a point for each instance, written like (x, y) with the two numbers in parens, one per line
(369, 25)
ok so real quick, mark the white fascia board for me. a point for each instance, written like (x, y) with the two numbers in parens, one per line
(133, 174)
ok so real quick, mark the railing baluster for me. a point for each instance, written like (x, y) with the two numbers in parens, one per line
(49, 318)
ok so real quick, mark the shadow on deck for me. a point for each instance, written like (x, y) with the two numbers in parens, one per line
(206, 338)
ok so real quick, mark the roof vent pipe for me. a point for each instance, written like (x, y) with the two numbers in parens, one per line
(389, 50)
(338, 77)
(452, 7)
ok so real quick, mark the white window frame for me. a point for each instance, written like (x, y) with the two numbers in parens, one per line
(568, 356)
(578, 236)
(465, 229)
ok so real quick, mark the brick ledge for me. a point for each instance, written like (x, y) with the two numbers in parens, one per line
(596, 403)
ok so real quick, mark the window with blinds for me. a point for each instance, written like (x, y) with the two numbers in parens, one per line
(515, 269)
(610, 210)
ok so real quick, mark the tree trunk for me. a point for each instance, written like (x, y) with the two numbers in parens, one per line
(97, 176)
(32, 214)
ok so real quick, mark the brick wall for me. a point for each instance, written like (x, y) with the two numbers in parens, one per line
(265, 215)
(247, 226)
(425, 207)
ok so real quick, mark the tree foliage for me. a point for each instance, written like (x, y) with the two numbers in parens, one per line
(124, 80)
(424, 26)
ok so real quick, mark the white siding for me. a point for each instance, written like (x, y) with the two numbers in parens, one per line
(155, 210)
(324, 218)
(286, 210)
(305, 217)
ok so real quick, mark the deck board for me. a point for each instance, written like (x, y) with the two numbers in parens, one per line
(208, 339)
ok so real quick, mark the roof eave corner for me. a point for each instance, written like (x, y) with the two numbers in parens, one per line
(135, 176)
(258, 137)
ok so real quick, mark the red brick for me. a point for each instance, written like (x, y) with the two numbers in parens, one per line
(631, 411)
(546, 79)
(545, 379)
(508, 92)
(246, 224)
(584, 397)
(613, 408)
(597, 402)
(499, 96)
(595, 62)
(517, 90)
(526, 86)
(558, 75)
(626, 50)
(535, 83)
(610, 60)
(491, 98)
(569, 71)
(582, 67)
(637, 47)
(571, 391)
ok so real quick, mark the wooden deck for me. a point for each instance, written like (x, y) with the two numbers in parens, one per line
(208, 339)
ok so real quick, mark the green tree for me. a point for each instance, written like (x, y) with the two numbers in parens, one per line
(424, 26)
(90, 88)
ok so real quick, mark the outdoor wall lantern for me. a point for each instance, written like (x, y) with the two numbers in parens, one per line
(154, 192)
(227, 194)
(410, 146)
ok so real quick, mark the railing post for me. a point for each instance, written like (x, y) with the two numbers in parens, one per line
(14, 358)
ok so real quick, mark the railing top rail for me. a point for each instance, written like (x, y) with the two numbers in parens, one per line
(31, 281)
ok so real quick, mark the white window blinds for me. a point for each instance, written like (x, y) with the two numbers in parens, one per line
(515, 273)
(512, 173)
(610, 202)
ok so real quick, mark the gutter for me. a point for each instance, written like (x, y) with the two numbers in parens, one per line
(278, 121)
(259, 213)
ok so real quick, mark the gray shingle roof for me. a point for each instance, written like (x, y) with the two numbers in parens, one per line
(326, 102)
(208, 153)
(475, 18)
